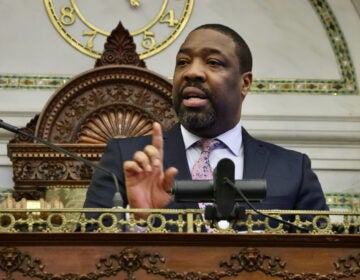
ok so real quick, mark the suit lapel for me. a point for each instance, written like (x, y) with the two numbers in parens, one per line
(174, 152)
(175, 155)
(256, 157)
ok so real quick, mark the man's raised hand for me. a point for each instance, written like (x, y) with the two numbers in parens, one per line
(146, 182)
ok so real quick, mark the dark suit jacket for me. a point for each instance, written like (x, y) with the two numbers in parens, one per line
(291, 183)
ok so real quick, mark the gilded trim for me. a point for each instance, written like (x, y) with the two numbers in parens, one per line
(14, 217)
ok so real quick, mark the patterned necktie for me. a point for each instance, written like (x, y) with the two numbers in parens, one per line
(202, 169)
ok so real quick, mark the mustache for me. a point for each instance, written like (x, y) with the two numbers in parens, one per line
(195, 85)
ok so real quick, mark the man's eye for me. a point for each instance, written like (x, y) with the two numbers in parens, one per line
(214, 62)
(181, 62)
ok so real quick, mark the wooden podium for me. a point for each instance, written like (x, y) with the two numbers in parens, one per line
(178, 256)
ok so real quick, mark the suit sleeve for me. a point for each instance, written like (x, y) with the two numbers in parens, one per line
(311, 195)
(102, 187)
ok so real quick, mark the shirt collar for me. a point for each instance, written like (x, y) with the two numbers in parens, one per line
(231, 138)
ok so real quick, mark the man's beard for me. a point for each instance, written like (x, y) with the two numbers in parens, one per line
(194, 119)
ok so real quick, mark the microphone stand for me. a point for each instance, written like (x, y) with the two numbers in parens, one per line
(117, 200)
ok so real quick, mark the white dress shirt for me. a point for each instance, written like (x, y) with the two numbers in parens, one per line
(233, 149)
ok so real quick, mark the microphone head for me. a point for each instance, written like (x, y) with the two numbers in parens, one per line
(193, 190)
(224, 194)
(117, 200)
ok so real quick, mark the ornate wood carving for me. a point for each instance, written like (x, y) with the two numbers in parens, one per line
(111, 101)
(118, 98)
(132, 260)
(30, 129)
(120, 49)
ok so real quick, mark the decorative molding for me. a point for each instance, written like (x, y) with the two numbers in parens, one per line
(131, 260)
(347, 83)
(47, 219)
(14, 81)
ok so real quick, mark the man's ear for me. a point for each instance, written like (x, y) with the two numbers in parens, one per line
(246, 81)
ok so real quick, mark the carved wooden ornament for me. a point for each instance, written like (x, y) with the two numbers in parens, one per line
(131, 260)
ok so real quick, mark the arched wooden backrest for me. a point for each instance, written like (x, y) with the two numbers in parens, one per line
(106, 102)
(111, 100)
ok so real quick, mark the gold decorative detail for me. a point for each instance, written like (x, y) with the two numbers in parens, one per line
(171, 15)
(21, 219)
(23, 204)
(134, 3)
(170, 220)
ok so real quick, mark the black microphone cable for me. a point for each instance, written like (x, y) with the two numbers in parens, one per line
(228, 181)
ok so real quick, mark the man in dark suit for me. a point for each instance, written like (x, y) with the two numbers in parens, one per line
(211, 79)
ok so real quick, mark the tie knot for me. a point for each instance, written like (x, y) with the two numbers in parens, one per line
(208, 145)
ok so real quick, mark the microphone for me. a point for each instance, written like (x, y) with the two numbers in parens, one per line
(214, 190)
(224, 197)
(225, 193)
(204, 190)
(118, 201)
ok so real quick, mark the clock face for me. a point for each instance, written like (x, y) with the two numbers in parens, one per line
(85, 24)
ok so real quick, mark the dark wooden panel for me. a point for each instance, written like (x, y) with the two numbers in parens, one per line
(178, 256)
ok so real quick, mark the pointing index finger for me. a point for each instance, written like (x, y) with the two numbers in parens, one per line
(157, 139)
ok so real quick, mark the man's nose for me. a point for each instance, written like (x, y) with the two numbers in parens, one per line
(195, 71)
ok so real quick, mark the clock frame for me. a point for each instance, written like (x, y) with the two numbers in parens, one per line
(171, 18)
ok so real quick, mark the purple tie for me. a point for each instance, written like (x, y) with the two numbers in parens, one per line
(202, 169)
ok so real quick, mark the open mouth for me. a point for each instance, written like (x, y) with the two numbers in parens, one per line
(195, 102)
(194, 97)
